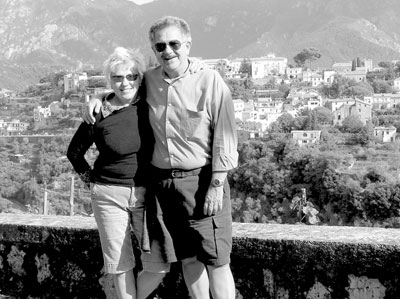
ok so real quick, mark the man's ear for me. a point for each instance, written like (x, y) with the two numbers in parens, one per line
(188, 45)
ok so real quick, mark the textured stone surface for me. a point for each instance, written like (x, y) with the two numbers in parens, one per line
(297, 261)
(331, 234)
(50, 257)
(60, 257)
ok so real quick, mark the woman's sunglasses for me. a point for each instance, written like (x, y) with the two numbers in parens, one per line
(130, 77)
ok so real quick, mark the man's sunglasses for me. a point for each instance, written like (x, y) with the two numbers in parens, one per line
(130, 77)
(173, 44)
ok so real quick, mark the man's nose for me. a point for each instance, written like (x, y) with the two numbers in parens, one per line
(168, 49)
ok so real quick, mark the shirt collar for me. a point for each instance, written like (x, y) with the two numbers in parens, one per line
(107, 108)
(172, 80)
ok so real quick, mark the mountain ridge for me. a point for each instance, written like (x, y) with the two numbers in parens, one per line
(80, 33)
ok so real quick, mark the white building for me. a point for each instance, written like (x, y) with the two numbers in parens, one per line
(235, 64)
(334, 104)
(313, 103)
(267, 105)
(294, 72)
(328, 76)
(71, 81)
(269, 65)
(211, 63)
(302, 137)
(396, 84)
(383, 100)
(342, 67)
(238, 106)
(41, 112)
(308, 75)
(249, 112)
(12, 127)
(368, 64)
(385, 134)
(359, 75)
(316, 79)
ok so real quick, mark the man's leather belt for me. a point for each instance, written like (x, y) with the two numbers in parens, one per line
(177, 173)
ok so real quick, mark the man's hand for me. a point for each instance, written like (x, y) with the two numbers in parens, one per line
(213, 202)
(92, 107)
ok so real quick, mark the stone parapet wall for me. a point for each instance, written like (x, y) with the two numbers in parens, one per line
(60, 257)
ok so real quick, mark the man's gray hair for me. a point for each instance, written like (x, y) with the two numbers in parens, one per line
(168, 21)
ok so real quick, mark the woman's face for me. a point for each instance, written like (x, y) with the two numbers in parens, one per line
(125, 83)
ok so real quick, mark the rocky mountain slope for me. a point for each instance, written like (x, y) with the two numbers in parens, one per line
(38, 35)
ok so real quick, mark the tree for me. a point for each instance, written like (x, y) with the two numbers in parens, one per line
(284, 124)
(240, 88)
(381, 86)
(54, 78)
(252, 150)
(324, 115)
(353, 65)
(363, 137)
(374, 175)
(270, 84)
(338, 86)
(352, 124)
(83, 85)
(377, 201)
(284, 89)
(359, 89)
(372, 76)
(389, 69)
(385, 64)
(300, 59)
(359, 62)
(97, 82)
(248, 83)
(245, 67)
(397, 69)
(356, 62)
(308, 54)
(311, 122)
(94, 72)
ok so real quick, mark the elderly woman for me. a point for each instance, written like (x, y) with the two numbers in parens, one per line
(124, 140)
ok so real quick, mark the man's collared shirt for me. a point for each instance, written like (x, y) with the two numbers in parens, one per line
(193, 120)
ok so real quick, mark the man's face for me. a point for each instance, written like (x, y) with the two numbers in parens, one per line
(171, 49)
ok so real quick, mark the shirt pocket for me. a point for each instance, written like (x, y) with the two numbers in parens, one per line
(191, 121)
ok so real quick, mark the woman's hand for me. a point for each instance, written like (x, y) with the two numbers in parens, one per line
(92, 108)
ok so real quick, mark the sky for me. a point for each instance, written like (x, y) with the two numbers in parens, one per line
(140, 2)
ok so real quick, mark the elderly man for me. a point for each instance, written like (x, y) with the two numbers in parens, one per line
(192, 117)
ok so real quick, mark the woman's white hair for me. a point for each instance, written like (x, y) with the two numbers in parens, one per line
(125, 57)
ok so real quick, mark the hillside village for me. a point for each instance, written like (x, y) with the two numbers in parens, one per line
(328, 132)
(53, 106)
(304, 93)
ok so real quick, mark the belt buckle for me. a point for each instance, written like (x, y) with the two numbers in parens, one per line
(174, 173)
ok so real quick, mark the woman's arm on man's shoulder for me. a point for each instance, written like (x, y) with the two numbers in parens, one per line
(93, 108)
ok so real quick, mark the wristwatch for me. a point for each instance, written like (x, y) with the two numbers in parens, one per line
(217, 183)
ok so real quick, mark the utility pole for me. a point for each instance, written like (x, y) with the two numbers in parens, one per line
(45, 202)
(302, 203)
(71, 197)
